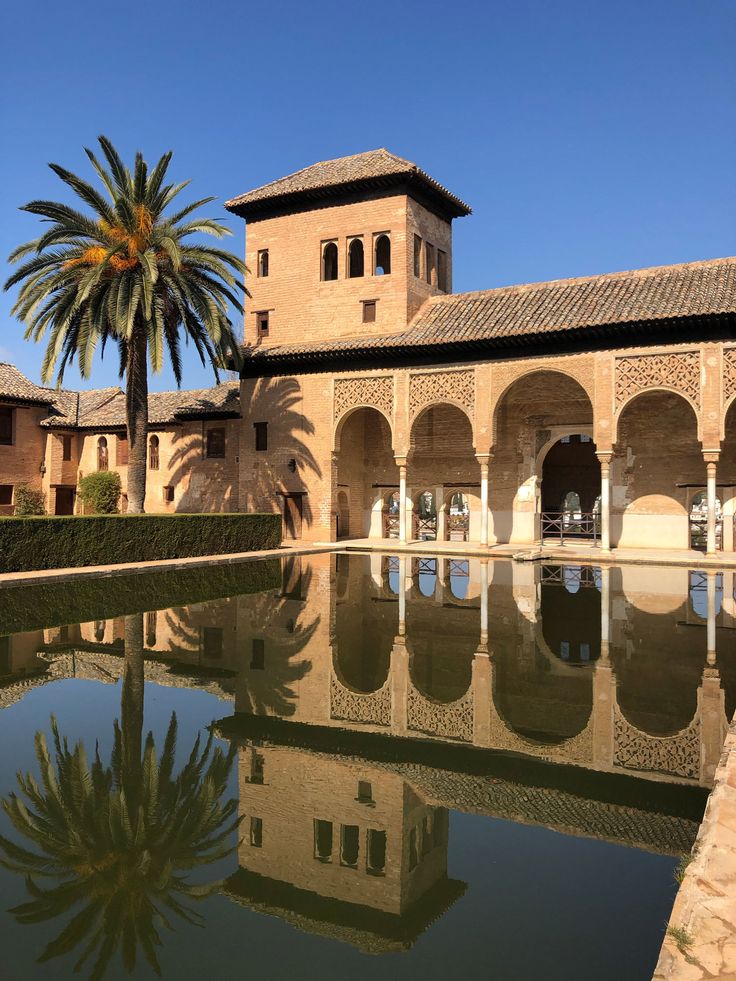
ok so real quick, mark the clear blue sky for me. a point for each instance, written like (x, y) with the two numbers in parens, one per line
(588, 135)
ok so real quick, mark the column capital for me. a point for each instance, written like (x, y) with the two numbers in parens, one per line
(484, 458)
(604, 457)
(400, 461)
(711, 456)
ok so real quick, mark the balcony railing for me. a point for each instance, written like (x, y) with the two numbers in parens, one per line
(574, 525)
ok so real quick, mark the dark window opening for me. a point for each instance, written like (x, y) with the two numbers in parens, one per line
(261, 429)
(329, 261)
(257, 769)
(5, 655)
(258, 654)
(121, 454)
(153, 444)
(102, 458)
(256, 832)
(417, 256)
(262, 322)
(382, 265)
(6, 425)
(169, 494)
(429, 269)
(66, 448)
(151, 624)
(442, 270)
(211, 642)
(263, 263)
(6, 494)
(100, 630)
(323, 840)
(376, 860)
(215, 444)
(356, 260)
(350, 845)
(413, 855)
(369, 311)
(365, 792)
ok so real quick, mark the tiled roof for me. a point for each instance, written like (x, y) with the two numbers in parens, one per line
(545, 310)
(329, 176)
(15, 386)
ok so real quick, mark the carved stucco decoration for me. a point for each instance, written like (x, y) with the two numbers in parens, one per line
(678, 755)
(679, 371)
(729, 374)
(373, 390)
(455, 386)
(451, 720)
(350, 706)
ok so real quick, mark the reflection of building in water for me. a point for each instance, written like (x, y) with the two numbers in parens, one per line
(340, 847)
(599, 668)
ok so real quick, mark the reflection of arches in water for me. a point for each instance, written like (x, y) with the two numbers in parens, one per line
(424, 575)
(571, 618)
(441, 666)
(698, 593)
(391, 573)
(363, 644)
(458, 575)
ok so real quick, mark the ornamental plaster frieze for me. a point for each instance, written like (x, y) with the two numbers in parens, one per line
(456, 386)
(729, 374)
(375, 391)
(679, 371)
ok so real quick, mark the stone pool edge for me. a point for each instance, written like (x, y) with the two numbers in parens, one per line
(700, 941)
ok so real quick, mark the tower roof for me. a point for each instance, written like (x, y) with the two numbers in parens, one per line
(344, 175)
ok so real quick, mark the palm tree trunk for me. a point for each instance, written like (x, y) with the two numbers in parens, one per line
(131, 708)
(136, 405)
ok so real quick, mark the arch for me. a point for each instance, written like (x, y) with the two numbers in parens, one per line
(356, 258)
(457, 515)
(382, 255)
(342, 419)
(438, 403)
(103, 457)
(528, 375)
(329, 261)
(153, 452)
(365, 472)
(424, 513)
(644, 393)
(441, 666)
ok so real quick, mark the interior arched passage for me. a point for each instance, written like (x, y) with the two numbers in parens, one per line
(571, 617)
(656, 468)
(364, 630)
(536, 410)
(726, 478)
(441, 642)
(366, 472)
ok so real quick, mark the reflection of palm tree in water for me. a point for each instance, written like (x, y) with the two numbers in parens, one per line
(117, 841)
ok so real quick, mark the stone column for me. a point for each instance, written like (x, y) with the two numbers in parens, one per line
(481, 683)
(441, 513)
(402, 595)
(399, 684)
(484, 603)
(605, 461)
(484, 460)
(605, 610)
(401, 464)
(711, 460)
(711, 622)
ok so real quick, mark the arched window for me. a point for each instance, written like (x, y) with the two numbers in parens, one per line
(382, 264)
(102, 457)
(153, 453)
(329, 261)
(100, 630)
(355, 258)
(263, 263)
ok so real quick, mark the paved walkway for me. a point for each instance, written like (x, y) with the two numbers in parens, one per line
(701, 937)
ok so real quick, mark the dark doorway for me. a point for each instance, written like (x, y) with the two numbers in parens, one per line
(571, 468)
(64, 500)
(293, 516)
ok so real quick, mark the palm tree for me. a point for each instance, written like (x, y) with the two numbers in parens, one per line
(117, 841)
(125, 273)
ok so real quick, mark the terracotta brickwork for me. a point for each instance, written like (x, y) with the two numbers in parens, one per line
(22, 461)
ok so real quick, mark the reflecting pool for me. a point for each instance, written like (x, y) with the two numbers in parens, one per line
(356, 765)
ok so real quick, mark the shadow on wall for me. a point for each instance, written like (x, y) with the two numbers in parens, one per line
(208, 484)
(283, 467)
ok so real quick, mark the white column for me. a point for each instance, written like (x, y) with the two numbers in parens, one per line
(483, 459)
(605, 461)
(711, 627)
(605, 610)
(402, 595)
(484, 603)
(710, 462)
(401, 462)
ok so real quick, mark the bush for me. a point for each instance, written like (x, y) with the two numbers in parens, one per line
(28, 501)
(100, 492)
(66, 542)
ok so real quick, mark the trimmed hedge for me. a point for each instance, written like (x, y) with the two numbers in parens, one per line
(105, 597)
(66, 542)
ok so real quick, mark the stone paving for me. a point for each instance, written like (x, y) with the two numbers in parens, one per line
(701, 936)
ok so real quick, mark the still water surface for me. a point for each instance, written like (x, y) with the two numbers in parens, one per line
(405, 768)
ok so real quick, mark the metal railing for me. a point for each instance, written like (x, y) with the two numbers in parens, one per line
(571, 524)
(699, 533)
(425, 529)
(390, 525)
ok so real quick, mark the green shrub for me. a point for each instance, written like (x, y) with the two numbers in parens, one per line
(28, 501)
(66, 542)
(100, 492)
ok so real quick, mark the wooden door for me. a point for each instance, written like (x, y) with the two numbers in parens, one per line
(64, 500)
(293, 516)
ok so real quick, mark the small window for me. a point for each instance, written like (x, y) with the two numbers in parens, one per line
(262, 323)
(382, 265)
(356, 261)
(215, 444)
(257, 768)
(350, 845)
(168, 494)
(376, 852)
(121, 453)
(261, 429)
(365, 792)
(66, 448)
(212, 638)
(102, 457)
(417, 256)
(256, 832)
(258, 654)
(100, 630)
(6, 494)
(153, 445)
(442, 270)
(429, 270)
(369, 311)
(323, 840)
(6, 425)
(329, 261)
(263, 263)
